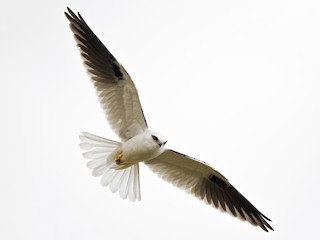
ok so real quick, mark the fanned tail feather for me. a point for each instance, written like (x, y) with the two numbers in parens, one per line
(126, 181)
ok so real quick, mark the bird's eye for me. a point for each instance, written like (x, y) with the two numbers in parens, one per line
(155, 138)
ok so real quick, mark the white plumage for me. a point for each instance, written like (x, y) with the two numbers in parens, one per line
(117, 163)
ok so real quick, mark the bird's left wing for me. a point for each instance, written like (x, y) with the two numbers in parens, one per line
(117, 93)
(207, 184)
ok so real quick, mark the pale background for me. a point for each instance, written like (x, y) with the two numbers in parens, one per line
(233, 83)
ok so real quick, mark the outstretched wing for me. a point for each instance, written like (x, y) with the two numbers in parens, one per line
(207, 184)
(117, 93)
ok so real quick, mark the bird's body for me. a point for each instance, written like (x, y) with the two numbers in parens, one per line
(118, 162)
(140, 148)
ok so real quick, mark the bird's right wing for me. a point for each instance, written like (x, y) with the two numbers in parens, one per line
(207, 184)
(117, 93)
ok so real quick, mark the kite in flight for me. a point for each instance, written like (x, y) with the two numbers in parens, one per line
(118, 162)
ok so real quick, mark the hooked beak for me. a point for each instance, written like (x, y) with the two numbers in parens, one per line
(162, 144)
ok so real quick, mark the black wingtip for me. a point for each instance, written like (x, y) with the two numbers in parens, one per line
(71, 12)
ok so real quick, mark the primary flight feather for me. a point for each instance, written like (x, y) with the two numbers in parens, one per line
(118, 162)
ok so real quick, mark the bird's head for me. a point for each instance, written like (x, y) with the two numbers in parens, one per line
(158, 139)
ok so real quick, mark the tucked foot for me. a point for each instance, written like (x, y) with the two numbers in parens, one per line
(119, 155)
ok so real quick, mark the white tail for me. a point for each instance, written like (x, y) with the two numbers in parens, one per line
(126, 181)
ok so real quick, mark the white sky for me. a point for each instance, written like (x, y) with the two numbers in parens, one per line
(233, 83)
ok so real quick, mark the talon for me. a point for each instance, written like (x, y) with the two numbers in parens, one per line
(118, 157)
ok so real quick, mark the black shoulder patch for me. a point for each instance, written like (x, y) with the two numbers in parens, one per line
(217, 180)
(117, 71)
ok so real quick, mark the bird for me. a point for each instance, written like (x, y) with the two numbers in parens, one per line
(117, 163)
